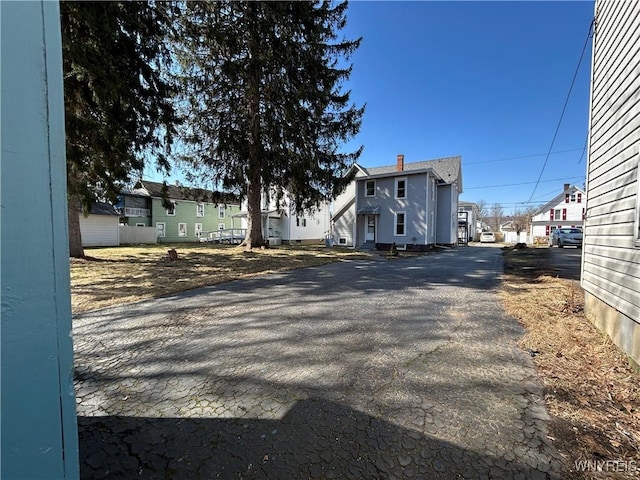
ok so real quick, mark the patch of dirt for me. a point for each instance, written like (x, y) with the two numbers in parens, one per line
(592, 394)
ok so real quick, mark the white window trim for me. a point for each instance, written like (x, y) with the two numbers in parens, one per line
(221, 212)
(198, 231)
(140, 225)
(406, 184)
(433, 189)
(200, 209)
(395, 224)
(222, 226)
(164, 229)
(185, 229)
(374, 188)
(636, 239)
(169, 214)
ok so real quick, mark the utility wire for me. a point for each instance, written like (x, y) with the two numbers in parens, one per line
(586, 143)
(521, 156)
(523, 183)
(584, 48)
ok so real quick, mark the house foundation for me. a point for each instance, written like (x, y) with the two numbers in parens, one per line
(623, 330)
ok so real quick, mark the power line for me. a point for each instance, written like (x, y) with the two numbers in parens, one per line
(523, 183)
(584, 149)
(584, 48)
(522, 156)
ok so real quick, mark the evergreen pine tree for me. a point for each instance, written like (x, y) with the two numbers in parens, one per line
(117, 102)
(263, 102)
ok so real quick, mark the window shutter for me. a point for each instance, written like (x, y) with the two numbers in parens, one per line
(579, 197)
(546, 230)
(566, 198)
(551, 214)
(564, 214)
(583, 214)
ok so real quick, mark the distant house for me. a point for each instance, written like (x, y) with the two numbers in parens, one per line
(179, 213)
(611, 248)
(281, 224)
(99, 228)
(567, 209)
(414, 205)
(468, 223)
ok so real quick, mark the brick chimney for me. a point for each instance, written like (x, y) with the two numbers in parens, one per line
(400, 164)
(567, 186)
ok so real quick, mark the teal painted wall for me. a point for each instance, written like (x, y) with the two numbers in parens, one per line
(185, 212)
(39, 432)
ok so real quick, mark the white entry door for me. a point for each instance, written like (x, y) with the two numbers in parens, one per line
(370, 235)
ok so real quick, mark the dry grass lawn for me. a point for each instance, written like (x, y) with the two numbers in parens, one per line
(117, 275)
(591, 393)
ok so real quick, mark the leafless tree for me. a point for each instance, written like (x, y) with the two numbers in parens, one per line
(483, 210)
(522, 219)
(497, 212)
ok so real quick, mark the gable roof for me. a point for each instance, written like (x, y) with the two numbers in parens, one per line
(102, 208)
(448, 169)
(180, 192)
(558, 199)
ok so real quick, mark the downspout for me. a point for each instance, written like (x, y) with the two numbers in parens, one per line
(355, 228)
(426, 214)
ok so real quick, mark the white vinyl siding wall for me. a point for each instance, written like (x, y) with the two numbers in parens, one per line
(611, 258)
(99, 230)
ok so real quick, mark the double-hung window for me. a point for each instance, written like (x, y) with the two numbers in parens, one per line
(160, 229)
(171, 209)
(370, 188)
(400, 224)
(401, 188)
(221, 211)
(200, 210)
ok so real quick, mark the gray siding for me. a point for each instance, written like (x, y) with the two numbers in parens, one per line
(611, 257)
(447, 215)
(413, 206)
(343, 228)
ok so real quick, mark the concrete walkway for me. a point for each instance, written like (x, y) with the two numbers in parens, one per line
(364, 369)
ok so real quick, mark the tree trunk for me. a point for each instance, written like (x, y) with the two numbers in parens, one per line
(75, 236)
(254, 212)
(254, 216)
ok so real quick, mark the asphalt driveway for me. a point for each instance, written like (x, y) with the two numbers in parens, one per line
(565, 262)
(360, 369)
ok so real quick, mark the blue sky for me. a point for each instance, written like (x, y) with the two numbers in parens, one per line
(484, 80)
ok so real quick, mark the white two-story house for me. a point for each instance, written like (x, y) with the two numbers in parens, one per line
(281, 224)
(412, 205)
(567, 209)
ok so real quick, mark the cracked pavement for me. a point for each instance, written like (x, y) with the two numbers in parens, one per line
(376, 369)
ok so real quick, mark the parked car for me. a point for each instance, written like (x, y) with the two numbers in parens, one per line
(487, 237)
(566, 236)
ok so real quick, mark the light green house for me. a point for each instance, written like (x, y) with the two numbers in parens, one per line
(178, 213)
